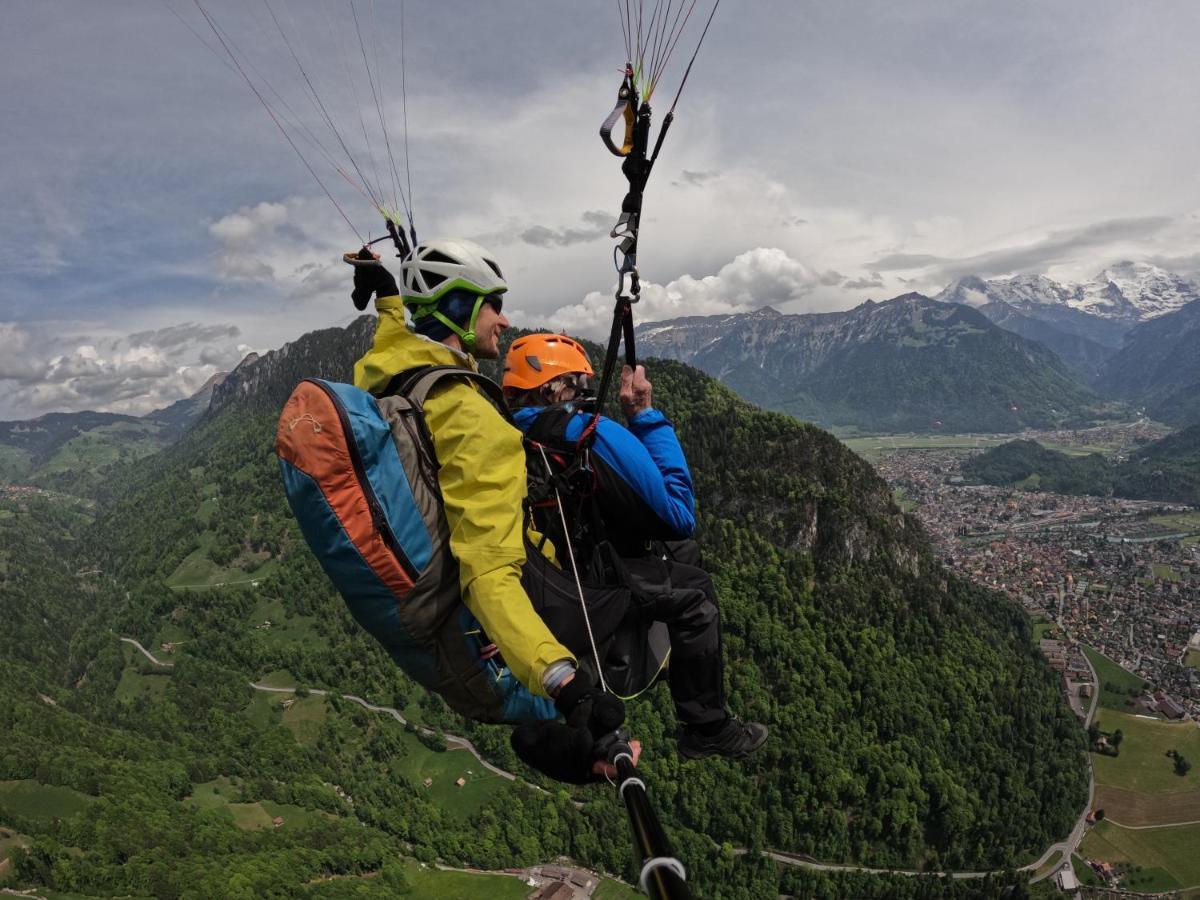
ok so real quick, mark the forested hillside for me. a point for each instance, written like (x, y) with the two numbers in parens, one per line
(912, 725)
(1167, 469)
(1159, 367)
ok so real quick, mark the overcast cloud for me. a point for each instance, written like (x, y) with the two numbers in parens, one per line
(156, 225)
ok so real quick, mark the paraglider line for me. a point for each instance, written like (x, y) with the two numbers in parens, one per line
(275, 118)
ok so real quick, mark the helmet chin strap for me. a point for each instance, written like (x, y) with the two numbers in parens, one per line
(467, 337)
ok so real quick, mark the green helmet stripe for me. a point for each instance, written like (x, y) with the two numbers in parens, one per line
(443, 289)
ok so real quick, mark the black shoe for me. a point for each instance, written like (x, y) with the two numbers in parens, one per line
(736, 740)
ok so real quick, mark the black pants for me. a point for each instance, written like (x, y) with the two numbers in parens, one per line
(646, 589)
(682, 597)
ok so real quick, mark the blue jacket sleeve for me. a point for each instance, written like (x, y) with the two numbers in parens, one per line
(648, 458)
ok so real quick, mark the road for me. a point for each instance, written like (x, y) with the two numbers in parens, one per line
(789, 859)
(453, 741)
(1071, 844)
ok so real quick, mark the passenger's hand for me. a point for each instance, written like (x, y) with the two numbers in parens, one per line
(603, 769)
(636, 389)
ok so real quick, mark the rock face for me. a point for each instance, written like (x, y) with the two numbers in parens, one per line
(907, 364)
(266, 381)
(1159, 367)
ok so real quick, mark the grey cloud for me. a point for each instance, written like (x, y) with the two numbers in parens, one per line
(67, 366)
(17, 361)
(907, 261)
(792, 221)
(1058, 246)
(224, 358)
(830, 278)
(875, 280)
(598, 218)
(695, 179)
(1188, 265)
(332, 280)
(176, 338)
(597, 222)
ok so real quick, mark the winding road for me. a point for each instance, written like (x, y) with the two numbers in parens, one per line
(789, 859)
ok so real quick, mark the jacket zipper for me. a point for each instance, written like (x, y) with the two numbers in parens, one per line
(378, 519)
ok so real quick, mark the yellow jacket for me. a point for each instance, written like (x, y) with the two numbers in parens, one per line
(482, 480)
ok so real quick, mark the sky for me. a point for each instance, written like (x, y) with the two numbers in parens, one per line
(157, 226)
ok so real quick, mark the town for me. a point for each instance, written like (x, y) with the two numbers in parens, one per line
(1120, 576)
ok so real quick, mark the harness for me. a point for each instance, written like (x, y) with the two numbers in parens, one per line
(566, 481)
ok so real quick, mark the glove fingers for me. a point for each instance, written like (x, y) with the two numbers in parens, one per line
(560, 751)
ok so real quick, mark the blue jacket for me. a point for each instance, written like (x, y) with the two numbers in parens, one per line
(647, 462)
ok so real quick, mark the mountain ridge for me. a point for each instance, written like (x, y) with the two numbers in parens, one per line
(905, 364)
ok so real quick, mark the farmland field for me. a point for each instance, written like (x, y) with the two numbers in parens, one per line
(435, 884)
(1167, 856)
(1116, 684)
(1137, 809)
(877, 445)
(1185, 521)
(304, 718)
(1143, 764)
(419, 763)
(42, 801)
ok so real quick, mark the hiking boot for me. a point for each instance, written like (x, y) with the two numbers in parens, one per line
(736, 740)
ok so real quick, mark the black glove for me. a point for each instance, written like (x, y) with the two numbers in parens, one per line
(584, 705)
(569, 752)
(372, 279)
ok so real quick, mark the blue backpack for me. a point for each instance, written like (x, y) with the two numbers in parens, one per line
(361, 477)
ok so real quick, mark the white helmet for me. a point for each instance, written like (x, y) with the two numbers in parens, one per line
(436, 267)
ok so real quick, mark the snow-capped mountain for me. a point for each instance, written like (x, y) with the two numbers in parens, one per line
(1150, 291)
(1126, 292)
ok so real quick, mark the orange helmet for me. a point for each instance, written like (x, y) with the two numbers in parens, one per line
(537, 358)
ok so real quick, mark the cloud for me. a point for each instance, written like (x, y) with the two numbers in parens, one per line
(241, 233)
(1056, 247)
(598, 224)
(57, 368)
(874, 280)
(16, 359)
(760, 277)
(176, 339)
(688, 178)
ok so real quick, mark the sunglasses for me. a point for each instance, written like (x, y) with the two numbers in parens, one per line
(495, 301)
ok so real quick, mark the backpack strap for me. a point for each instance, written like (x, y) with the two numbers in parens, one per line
(549, 428)
(416, 384)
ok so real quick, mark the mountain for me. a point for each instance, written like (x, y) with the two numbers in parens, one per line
(60, 449)
(1159, 367)
(908, 364)
(182, 414)
(1083, 323)
(905, 703)
(1167, 469)
(70, 451)
(266, 381)
(1083, 356)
